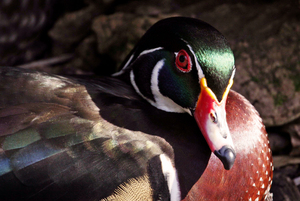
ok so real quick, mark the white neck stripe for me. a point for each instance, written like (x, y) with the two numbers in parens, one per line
(171, 177)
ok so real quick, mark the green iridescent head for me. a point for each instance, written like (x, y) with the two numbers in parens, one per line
(157, 63)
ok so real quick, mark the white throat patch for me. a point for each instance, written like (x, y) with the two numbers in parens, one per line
(163, 102)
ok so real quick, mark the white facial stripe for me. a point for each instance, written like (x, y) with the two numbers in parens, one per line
(233, 73)
(162, 102)
(137, 89)
(198, 67)
(150, 50)
(129, 60)
(131, 57)
(171, 176)
(125, 66)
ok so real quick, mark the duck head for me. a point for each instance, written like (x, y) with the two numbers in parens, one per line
(185, 65)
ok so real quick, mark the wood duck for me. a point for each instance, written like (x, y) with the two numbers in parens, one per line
(165, 127)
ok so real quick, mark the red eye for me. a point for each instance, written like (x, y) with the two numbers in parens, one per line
(183, 61)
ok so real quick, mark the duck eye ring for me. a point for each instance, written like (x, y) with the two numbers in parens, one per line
(183, 61)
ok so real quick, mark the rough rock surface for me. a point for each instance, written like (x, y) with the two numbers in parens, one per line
(265, 41)
(117, 34)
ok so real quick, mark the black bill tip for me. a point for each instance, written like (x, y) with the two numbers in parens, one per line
(227, 155)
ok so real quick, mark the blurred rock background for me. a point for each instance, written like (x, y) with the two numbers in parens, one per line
(94, 36)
